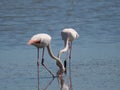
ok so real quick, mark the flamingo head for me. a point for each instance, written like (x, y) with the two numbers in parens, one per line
(62, 68)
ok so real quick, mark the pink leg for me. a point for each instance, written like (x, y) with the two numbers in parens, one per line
(45, 65)
(70, 47)
(38, 67)
(70, 66)
(68, 56)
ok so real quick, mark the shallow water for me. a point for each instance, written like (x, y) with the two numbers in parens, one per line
(95, 55)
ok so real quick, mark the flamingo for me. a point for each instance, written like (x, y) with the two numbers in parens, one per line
(41, 41)
(68, 35)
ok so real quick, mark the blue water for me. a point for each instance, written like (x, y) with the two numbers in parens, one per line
(95, 54)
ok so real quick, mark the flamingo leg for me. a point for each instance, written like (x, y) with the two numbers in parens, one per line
(65, 61)
(45, 65)
(70, 51)
(70, 47)
(70, 78)
(38, 68)
(68, 55)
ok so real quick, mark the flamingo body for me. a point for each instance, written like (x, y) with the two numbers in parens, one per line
(40, 40)
(70, 34)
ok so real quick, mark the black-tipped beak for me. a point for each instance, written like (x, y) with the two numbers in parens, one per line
(65, 65)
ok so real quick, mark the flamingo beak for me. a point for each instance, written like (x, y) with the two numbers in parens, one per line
(65, 65)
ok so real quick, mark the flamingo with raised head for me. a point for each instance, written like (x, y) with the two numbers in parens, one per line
(41, 41)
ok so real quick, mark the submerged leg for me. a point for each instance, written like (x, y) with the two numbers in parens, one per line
(38, 68)
(45, 65)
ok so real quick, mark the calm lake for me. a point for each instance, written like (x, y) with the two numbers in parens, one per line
(95, 62)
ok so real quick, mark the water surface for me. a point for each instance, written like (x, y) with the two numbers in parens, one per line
(95, 55)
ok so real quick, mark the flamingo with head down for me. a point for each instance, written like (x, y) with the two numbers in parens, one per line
(68, 35)
(43, 41)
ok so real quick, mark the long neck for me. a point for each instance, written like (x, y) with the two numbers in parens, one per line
(58, 61)
(64, 49)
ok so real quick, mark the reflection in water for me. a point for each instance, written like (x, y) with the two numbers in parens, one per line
(64, 81)
(49, 83)
(97, 21)
(63, 84)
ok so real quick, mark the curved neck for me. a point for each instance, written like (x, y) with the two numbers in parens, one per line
(58, 61)
(66, 46)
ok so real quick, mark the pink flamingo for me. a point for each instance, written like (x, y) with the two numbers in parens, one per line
(41, 41)
(68, 35)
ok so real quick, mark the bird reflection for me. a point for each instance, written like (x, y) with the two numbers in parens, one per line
(48, 84)
(65, 82)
